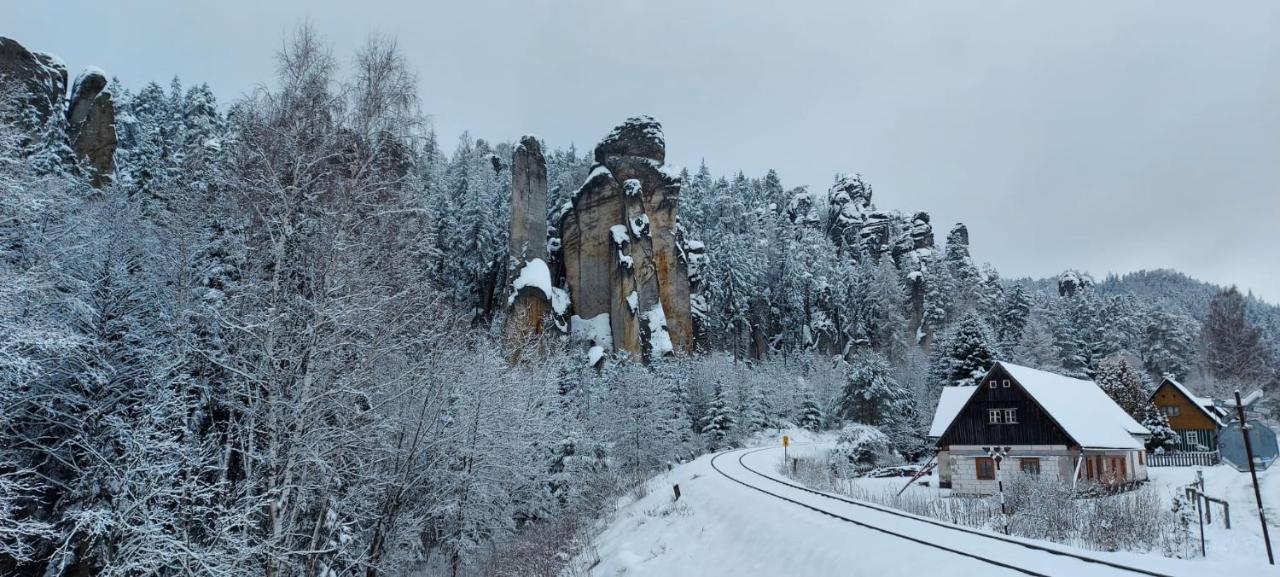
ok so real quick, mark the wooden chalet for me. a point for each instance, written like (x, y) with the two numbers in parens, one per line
(1051, 424)
(1197, 420)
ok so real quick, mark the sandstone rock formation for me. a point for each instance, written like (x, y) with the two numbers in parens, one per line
(40, 78)
(1071, 282)
(621, 251)
(41, 81)
(91, 124)
(533, 302)
(863, 232)
(528, 202)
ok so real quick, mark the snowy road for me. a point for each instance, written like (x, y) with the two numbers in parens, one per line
(736, 518)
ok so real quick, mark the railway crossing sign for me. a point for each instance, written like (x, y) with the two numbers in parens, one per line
(1263, 439)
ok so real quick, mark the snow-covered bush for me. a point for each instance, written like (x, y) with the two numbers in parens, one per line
(1050, 508)
(860, 448)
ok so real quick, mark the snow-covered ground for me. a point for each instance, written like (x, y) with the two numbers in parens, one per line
(720, 527)
(1244, 540)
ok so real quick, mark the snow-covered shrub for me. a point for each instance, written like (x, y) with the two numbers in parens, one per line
(860, 448)
(543, 549)
(1176, 539)
(1050, 508)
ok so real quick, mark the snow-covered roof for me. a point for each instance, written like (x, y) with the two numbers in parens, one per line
(1083, 410)
(1205, 404)
(949, 404)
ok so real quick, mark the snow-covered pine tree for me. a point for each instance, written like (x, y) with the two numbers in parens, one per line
(871, 395)
(964, 354)
(1168, 344)
(146, 156)
(1163, 437)
(1123, 383)
(1037, 346)
(876, 298)
(1013, 315)
(719, 423)
(810, 413)
(938, 297)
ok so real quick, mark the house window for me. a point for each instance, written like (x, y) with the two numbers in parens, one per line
(1172, 410)
(1002, 416)
(986, 468)
(1029, 466)
(1005, 383)
(991, 383)
(1193, 438)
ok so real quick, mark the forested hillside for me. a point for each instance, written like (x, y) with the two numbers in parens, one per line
(264, 337)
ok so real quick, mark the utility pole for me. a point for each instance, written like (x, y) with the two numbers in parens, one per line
(1253, 472)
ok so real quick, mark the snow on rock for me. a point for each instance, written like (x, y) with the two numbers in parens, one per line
(598, 172)
(633, 301)
(594, 355)
(536, 274)
(595, 330)
(637, 136)
(619, 234)
(631, 187)
(640, 225)
(659, 338)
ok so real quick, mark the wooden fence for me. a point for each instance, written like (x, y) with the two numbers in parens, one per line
(1183, 459)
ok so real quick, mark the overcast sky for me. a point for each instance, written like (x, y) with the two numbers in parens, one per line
(1107, 136)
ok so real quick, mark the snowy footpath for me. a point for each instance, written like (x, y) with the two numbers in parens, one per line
(738, 517)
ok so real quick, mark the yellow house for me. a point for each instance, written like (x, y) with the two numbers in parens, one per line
(1195, 419)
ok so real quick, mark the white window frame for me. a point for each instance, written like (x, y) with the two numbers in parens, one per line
(991, 384)
(1193, 437)
(1010, 416)
(995, 416)
(1004, 383)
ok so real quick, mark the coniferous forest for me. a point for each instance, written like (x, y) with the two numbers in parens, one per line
(269, 341)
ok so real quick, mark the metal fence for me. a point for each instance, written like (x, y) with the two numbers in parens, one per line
(1183, 459)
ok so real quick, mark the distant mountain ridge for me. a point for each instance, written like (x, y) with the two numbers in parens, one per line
(1179, 291)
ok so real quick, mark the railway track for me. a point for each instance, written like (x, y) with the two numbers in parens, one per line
(903, 535)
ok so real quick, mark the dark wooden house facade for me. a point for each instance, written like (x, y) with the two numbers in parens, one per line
(1043, 423)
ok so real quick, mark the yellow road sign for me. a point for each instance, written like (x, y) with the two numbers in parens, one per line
(786, 440)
